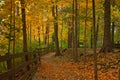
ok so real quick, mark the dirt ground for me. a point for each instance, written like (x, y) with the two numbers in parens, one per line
(63, 67)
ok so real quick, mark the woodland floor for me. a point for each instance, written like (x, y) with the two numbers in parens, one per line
(63, 67)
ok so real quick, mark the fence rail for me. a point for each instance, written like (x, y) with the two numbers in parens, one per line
(25, 69)
(117, 45)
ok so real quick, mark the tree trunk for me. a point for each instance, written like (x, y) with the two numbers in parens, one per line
(95, 38)
(97, 29)
(70, 33)
(91, 42)
(10, 33)
(107, 43)
(85, 32)
(78, 26)
(48, 39)
(47, 36)
(39, 36)
(113, 29)
(43, 33)
(30, 36)
(55, 15)
(46, 33)
(14, 28)
(73, 25)
(24, 26)
(76, 32)
(62, 32)
(18, 8)
(25, 48)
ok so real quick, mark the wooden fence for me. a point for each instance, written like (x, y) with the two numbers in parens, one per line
(25, 69)
(117, 45)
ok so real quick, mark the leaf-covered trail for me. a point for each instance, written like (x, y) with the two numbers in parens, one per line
(59, 68)
(52, 68)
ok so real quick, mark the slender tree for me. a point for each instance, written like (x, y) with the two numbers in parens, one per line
(24, 26)
(10, 32)
(47, 36)
(30, 41)
(14, 27)
(70, 33)
(85, 31)
(73, 24)
(91, 40)
(76, 31)
(97, 28)
(112, 36)
(46, 33)
(39, 35)
(62, 32)
(95, 37)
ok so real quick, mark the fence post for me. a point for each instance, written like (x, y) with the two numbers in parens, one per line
(35, 56)
(9, 66)
(27, 59)
(39, 54)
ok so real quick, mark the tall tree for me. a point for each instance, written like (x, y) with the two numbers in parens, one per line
(14, 27)
(74, 31)
(112, 34)
(47, 36)
(39, 35)
(46, 33)
(70, 33)
(91, 38)
(95, 41)
(61, 32)
(30, 42)
(55, 16)
(73, 24)
(24, 26)
(107, 43)
(85, 31)
(10, 32)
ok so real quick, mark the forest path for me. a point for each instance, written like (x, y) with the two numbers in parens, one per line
(56, 68)
(63, 68)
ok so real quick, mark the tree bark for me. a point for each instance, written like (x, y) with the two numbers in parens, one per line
(30, 36)
(76, 32)
(113, 29)
(14, 36)
(73, 25)
(91, 42)
(47, 36)
(70, 33)
(24, 26)
(85, 32)
(97, 29)
(25, 47)
(55, 16)
(95, 41)
(39, 40)
(62, 31)
(107, 43)
(10, 32)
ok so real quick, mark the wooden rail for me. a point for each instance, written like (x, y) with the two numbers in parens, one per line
(23, 71)
(117, 45)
